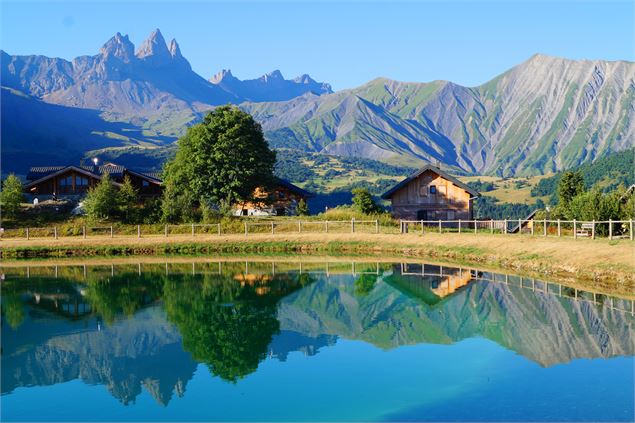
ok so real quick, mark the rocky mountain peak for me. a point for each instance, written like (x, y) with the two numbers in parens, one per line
(154, 47)
(273, 76)
(223, 76)
(175, 51)
(304, 79)
(118, 46)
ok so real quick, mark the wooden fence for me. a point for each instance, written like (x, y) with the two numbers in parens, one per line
(611, 229)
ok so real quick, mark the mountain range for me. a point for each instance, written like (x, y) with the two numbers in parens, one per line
(543, 115)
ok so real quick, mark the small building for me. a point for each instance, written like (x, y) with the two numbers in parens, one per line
(282, 201)
(73, 182)
(431, 194)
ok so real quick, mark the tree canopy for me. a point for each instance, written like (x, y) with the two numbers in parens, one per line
(11, 195)
(222, 159)
(364, 202)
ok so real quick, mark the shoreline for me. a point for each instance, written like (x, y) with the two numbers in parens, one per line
(597, 264)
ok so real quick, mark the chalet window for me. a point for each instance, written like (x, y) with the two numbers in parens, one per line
(145, 183)
(81, 183)
(66, 185)
(433, 189)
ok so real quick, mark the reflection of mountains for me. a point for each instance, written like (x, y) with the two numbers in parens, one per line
(540, 326)
(158, 327)
(144, 351)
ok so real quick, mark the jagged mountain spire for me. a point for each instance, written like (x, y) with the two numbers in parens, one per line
(154, 48)
(118, 46)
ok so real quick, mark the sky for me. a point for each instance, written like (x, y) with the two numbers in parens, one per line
(343, 43)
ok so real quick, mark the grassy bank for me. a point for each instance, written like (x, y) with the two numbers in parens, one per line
(595, 264)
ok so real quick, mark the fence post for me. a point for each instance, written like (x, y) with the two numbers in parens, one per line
(299, 226)
(272, 227)
(353, 224)
(440, 226)
(491, 225)
(459, 225)
(27, 233)
(193, 230)
(475, 226)
(520, 227)
(218, 228)
(55, 231)
(326, 226)
(630, 229)
(245, 228)
(558, 228)
(533, 224)
(84, 231)
(505, 226)
(610, 229)
(138, 231)
(544, 228)
(593, 230)
(575, 229)
(376, 226)
(421, 226)
(111, 231)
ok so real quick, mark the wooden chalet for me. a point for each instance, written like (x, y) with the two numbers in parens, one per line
(431, 194)
(73, 182)
(282, 201)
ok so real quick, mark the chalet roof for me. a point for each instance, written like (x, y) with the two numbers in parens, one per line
(61, 170)
(436, 170)
(113, 169)
(294, 188)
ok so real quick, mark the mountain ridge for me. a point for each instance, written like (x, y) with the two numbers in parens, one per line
(543, 115)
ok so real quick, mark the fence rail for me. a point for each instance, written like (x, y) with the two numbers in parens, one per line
(611, 229)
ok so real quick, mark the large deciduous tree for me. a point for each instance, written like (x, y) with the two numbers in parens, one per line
(220, 160)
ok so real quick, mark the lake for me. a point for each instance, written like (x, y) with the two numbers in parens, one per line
(278, 339)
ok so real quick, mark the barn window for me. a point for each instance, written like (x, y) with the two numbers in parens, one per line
(433, 189)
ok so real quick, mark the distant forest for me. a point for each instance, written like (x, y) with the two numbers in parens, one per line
(607, 173)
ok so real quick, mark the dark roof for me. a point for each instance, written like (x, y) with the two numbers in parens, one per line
(38, 173)
(61, 170)
(288, 185)
(434, 169)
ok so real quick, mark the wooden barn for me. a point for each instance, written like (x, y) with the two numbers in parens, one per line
(431, 194)
(282, 201)
(73, 182)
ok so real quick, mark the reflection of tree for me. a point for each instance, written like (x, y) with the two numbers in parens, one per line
(365, 283)
(228, 322)
(125, 293)
(12, 309)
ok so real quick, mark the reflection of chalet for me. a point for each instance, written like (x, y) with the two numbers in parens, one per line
(429, 283)
(74, 181)
(431, 194)
(282, 201)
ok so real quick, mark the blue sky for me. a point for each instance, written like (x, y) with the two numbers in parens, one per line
(344, 43)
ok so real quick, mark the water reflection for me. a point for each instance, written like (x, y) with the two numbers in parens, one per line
(148, 326)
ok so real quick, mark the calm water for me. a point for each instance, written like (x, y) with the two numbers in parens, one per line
(237, 341)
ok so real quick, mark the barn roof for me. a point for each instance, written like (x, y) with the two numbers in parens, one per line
(293, 188)
(434, 169)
